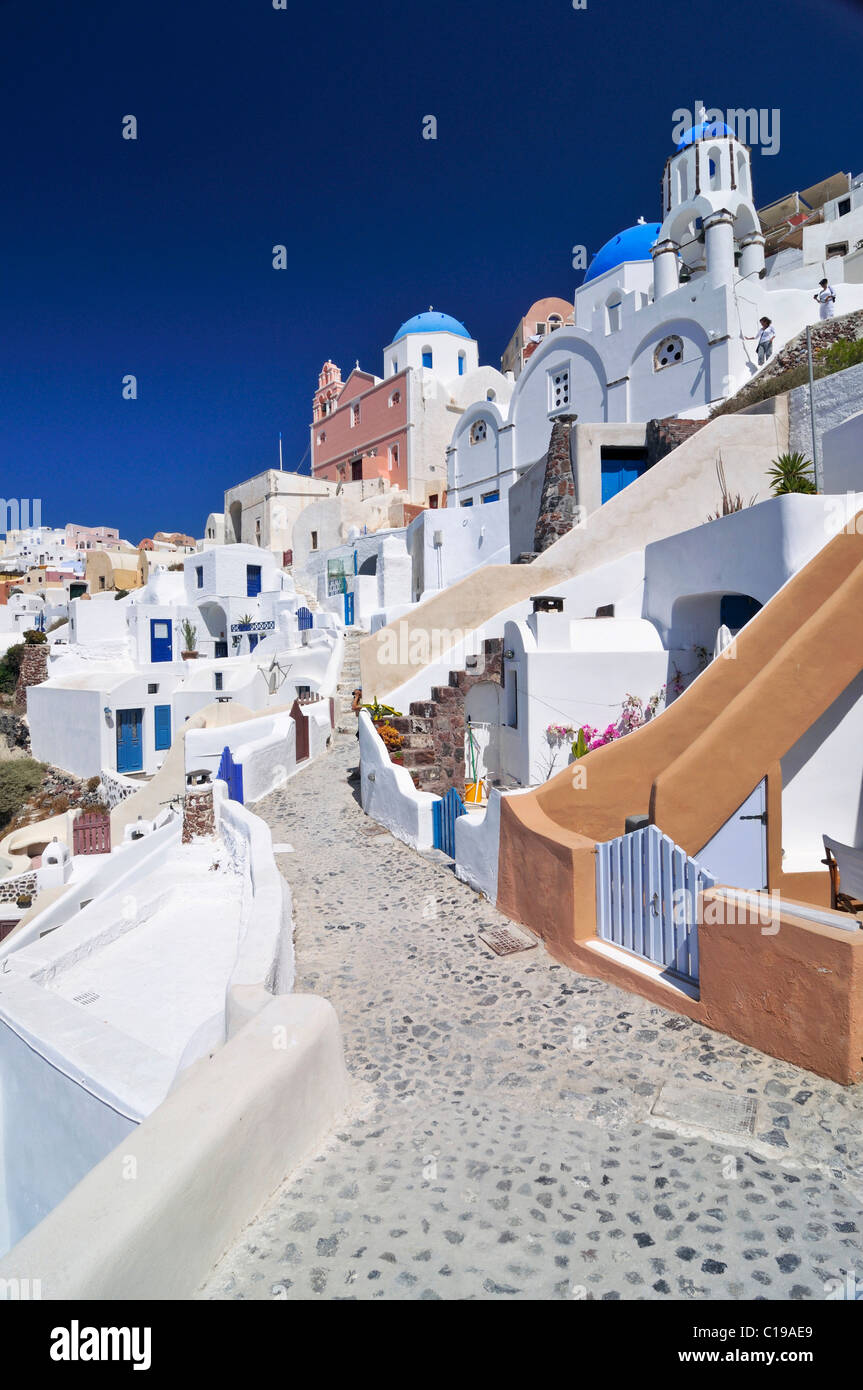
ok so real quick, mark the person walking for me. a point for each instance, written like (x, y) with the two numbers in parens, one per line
(826, 297)
(765, 340)
(356, 706)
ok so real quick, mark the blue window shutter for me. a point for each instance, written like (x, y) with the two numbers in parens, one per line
(162, 720)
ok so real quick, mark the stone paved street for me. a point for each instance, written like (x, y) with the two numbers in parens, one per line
(503, 1144)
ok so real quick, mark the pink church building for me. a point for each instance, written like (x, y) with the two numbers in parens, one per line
(398, 426)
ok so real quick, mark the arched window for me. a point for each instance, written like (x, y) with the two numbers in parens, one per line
(714, 166)
(428, 359)
(491, 395)
(394, 457)
(669, 351)
(395, 398)
(478, 432)
(742, 173)
(461, 364)
(612, 309)
(554, 322)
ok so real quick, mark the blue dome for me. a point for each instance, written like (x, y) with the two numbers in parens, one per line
(432, 322)
(631, 245)
(706, 131)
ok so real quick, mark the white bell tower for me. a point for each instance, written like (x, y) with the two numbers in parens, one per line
(707, 210)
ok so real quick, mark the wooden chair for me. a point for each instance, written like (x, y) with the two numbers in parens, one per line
(846, 875)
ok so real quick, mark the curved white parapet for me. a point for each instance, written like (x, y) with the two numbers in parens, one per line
(204, 1161)
(477, 838)
(388, 792)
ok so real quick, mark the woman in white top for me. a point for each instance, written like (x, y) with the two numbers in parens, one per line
(765, 340)
(826, 298)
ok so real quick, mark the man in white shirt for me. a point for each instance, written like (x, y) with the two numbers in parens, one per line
(826, 298)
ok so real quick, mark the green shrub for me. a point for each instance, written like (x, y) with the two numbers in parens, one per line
(34, 638)
(791, 473)
(19, 777)
(10, 665)
(848, 352)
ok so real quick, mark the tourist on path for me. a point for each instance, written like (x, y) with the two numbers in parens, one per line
(826, 298)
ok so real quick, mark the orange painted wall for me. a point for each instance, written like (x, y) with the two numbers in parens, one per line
(691, 769)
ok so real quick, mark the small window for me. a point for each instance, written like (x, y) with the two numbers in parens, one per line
(670, 350)
(303, 692)
(199, 576)
(433, 501)
(468, 502)
(491, 497)
(613, 309)
(322, 436)
(554, 322)
(558, 389)
(152, 689)
(219, 680)
(355, 415)
(395, 398)
(314, 540)
(461, 364)
(427, 357)
(838, 248)
(843, 207)
(478, 432)
(540, 328)
(394, 366)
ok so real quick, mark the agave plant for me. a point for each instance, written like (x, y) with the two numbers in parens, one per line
(731, 502)
(791, 473)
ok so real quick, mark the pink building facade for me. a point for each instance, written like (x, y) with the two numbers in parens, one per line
(360, 427)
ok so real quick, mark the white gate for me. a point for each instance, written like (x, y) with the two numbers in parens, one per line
(647, 898)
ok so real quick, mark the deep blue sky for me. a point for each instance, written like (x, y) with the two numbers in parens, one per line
(303, 127)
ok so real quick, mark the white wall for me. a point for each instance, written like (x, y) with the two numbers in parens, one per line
(822, 783)
(207, 1159)
(388, 793)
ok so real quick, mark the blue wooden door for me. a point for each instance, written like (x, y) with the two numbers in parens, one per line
(130, 744)
(618, 471)
(161, 645)
(737, 854)
(304, 619)
(349, 610)
(162, 720)
(253, 581)
(254, 639)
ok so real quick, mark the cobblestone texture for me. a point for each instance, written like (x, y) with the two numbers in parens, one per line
(503, 1145)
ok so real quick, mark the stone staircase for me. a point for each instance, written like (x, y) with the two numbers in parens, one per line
(434, 729)
(349, 680)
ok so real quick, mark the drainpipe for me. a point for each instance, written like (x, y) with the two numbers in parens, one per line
(815, 459)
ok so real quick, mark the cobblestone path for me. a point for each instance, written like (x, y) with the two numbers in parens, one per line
(504, 1144)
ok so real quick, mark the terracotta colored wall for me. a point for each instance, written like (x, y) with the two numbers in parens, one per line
(381, 425)
(797, 994)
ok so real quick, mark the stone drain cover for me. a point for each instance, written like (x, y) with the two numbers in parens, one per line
(706, 1109)
(505, 941)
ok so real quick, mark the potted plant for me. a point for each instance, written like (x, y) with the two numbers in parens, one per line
(190, 637)
(24, 900)
(245, 622)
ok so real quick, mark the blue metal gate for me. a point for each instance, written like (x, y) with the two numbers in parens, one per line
(647, 898)
(445, 813)
(349, 610)
(232, 773)
(304, 619)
